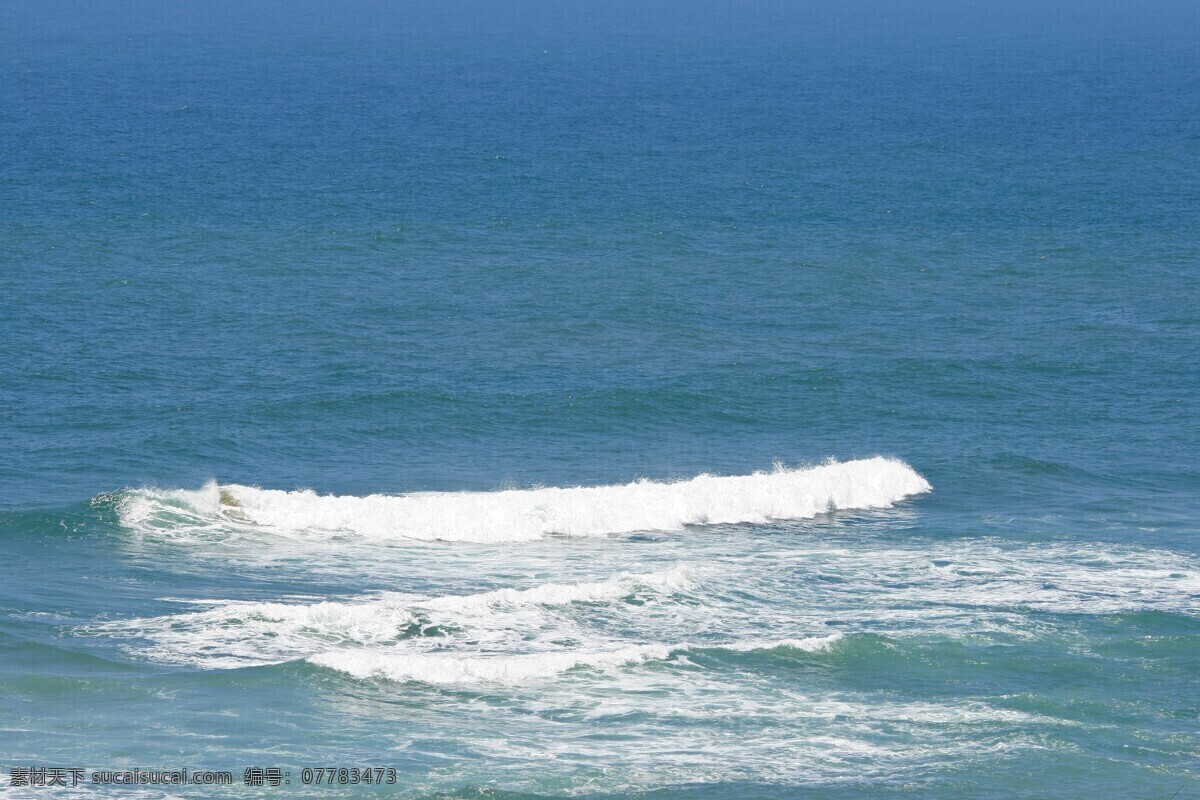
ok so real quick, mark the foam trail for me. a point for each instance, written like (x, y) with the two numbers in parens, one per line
(812, 644)
(233, 634)
(527, 514)
(555, 594)
(452, 668)
(444, 670)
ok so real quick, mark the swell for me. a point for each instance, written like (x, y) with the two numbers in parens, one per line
(526, 514)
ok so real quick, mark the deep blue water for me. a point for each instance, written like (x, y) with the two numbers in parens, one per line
(383, 250)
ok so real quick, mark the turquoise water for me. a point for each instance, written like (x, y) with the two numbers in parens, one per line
(645, 400)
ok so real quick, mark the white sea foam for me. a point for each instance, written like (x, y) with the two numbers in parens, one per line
(811, 644)
(505, 636)
(931, 585)
(562, 593)
(525, 514)
(233, 634)
(453, 668)
(458, 669)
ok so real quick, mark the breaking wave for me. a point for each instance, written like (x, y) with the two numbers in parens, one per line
(526, 514)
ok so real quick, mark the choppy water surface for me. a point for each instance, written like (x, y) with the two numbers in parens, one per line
(649, 401)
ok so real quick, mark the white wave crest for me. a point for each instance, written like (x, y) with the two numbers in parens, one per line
(526, 514)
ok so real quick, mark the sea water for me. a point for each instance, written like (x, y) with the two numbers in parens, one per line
(706, 400)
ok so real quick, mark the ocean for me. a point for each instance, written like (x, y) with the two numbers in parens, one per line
(628, 400)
